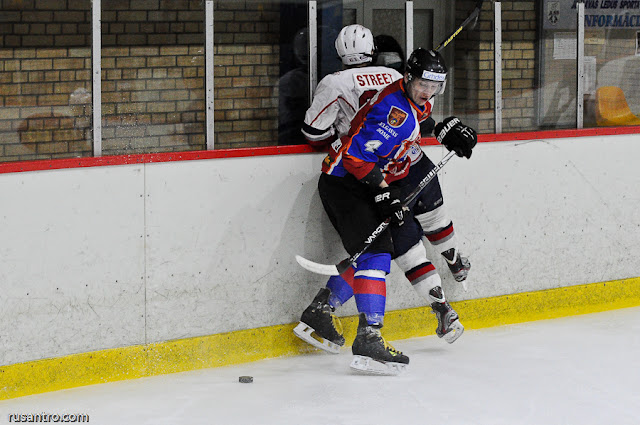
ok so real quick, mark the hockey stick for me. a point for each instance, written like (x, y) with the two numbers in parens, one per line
(473, 17)
(337, 269)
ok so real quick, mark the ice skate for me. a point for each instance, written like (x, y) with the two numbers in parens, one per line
(449, 326)
(458, 264)
(319, 326)
(372, 354)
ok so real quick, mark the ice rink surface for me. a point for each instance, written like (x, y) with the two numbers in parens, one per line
(582, 370)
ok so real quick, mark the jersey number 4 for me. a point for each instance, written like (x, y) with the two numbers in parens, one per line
(372, 145)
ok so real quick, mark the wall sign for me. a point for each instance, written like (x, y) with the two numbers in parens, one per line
(609, 14)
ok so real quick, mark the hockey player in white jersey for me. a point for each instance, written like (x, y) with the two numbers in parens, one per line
(336, 100)
(339, 95)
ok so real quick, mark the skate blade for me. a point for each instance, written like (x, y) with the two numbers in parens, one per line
(369, 366)
(304, 332)
(456, 332)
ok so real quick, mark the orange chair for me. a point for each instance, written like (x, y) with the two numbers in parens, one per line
(612, 108)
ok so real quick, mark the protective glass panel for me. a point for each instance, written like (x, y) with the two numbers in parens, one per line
(423, 29)
(292, 72)
(330, 19)
(611, 64)
(519, 61)
(612, 68)
(392, 22)
(472, 71)
(153, 70)
(349, 16)
(152, 76)
(558, 80)
(45, 80)
(259, 47)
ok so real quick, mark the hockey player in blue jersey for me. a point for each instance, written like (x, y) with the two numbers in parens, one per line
(362, 182)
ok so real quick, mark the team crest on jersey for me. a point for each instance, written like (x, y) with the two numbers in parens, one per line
(396, 117)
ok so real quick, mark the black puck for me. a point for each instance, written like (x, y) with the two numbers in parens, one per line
(246, 379)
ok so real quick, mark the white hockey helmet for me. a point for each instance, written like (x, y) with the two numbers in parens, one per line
(355, 45)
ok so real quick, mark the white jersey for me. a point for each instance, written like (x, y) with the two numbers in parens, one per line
(339, 96)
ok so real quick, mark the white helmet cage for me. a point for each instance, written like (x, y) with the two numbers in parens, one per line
(355, 45)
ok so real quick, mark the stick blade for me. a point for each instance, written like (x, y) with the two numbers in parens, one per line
(324, 269)
(464, 285)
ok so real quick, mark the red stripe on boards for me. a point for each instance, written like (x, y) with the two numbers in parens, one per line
(55, 164)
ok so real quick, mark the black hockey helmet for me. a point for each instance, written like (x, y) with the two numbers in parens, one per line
(389, 53)
(428, 65)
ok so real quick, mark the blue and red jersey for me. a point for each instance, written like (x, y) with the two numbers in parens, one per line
(382, 134)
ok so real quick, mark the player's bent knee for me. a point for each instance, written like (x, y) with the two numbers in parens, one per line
(374, 261)
(416, 255)
(434, 220)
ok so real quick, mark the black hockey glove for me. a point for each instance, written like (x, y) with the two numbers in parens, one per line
(456, 136)
(389, 204)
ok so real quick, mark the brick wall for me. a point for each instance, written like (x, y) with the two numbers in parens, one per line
(40, 115)
(474, 93)
(44, 79)
(45, 23)
(519, 65)
(152, 22)
(153, 99)
(152, 77)
(153, 72)
(246, 38)
(152, 86)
